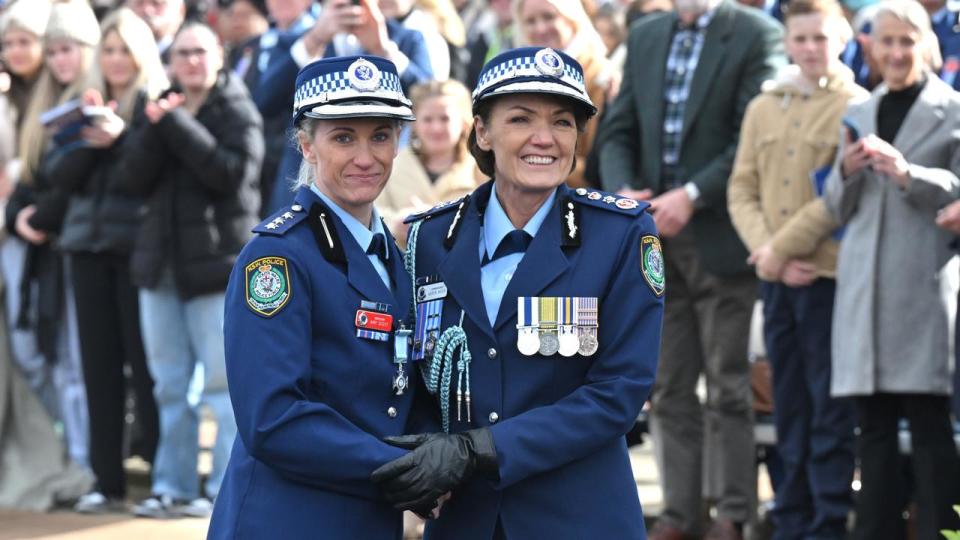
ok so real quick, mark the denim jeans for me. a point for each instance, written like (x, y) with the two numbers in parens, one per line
(178, 335)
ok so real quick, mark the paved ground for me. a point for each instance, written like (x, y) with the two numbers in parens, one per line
(64, 525)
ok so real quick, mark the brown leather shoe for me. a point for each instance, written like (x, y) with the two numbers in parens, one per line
(722, 529)
(663, 531)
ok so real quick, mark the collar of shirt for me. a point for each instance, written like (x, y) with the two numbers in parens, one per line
(701, 23)
(497, 225)
(360, 232)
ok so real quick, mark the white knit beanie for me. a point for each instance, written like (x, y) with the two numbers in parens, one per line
(73, 20)
(28, 15)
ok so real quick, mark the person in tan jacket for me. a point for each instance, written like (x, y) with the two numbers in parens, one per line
(787, 145)
(437, 166)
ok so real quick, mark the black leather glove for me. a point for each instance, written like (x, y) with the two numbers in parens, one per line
(436, 465)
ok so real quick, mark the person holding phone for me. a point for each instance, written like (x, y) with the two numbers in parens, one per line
(787, 145)
(896, 277)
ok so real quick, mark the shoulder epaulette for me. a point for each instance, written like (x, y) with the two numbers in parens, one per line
(437, 210)
(282, 221)
(614, 203)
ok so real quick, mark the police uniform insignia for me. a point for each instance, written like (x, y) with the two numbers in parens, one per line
(627, 204)
(363, 75)
(551, 325)
(548, 62)
(651, 264)
(268, 285)
(429, 309)
(599, 199)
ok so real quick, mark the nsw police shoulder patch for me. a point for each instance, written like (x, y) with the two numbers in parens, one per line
(652, 265)
(268, 285)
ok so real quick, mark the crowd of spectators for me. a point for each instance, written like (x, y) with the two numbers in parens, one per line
(141, 141)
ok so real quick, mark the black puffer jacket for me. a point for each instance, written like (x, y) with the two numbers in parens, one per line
(100, 218)
(199, 175)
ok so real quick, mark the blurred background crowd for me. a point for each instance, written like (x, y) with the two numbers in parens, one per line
(141, 141)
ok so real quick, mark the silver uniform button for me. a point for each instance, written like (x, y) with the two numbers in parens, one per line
(392, 412)
(493, 417)
(491, 353)
(297, 208)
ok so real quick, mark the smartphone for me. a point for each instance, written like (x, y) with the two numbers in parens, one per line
(852, 129)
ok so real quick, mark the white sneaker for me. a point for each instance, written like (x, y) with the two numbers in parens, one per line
(98, 503)
(157, 507)
(200, 507)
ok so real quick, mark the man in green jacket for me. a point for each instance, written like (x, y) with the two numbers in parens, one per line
(670, 137)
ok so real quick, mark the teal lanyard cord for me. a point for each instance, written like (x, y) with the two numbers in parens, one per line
(438, 372)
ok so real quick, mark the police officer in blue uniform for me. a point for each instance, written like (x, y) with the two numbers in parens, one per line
(537, 325)
(316, 352)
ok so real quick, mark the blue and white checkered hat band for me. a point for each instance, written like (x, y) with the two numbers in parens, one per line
(336, 87)
(524, 67)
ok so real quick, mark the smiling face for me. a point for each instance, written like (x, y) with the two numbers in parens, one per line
(64, 58)
(544, 25)
(117, 64)
(22, 52)
(352, 159)
(897, 48)
(532, 137)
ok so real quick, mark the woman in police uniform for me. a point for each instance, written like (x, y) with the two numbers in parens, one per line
(538, 314)
(315, 353)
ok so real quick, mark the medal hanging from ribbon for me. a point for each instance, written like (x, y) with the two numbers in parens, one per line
(527, 320)
(569, 339)
(587, 325)
(549, 342)
(401, 348)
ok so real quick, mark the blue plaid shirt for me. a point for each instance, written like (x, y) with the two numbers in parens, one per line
(681, 63)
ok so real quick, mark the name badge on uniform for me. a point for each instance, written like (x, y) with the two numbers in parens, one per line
(373, 322)
(528, 319)
(429, 309)
(431, 292)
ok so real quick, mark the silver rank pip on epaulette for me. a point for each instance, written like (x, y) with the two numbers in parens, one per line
(548, 325)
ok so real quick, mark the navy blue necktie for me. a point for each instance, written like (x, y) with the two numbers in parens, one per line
(378, 247)
(516, 241)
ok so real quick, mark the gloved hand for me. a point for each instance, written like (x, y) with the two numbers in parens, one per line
(437, 464)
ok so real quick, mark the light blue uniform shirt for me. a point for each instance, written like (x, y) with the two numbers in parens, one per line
(361, 233)
(496, 275)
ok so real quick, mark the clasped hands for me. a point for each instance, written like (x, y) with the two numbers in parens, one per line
(438, 463)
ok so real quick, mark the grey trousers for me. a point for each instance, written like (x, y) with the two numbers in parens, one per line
(705, 329)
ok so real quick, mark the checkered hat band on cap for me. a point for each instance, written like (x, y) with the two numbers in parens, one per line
(336, 86)
(524, 67)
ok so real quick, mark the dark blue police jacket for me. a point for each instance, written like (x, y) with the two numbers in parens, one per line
(312, 400)
(558, 423)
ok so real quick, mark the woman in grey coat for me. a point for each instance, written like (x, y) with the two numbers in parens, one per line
(896, 275)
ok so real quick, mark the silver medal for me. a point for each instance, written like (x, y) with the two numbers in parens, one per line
(549, 344)
(569, 342)
(588, 343)
(527, 341)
